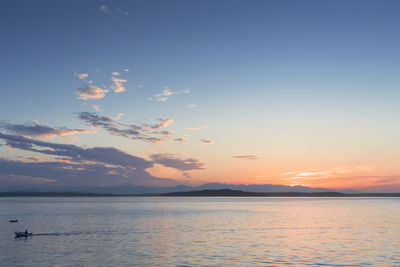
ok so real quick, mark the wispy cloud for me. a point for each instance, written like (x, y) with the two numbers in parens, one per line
(166, 93)
(91, 92)
(197, 128)
(176, 162)
(163, 96)
(37, 130)
(328, 173)
(192, 105)
(81, 76)
(105, 9)
(206, 141)
(161, 123)
(144, 132)
(248, 157)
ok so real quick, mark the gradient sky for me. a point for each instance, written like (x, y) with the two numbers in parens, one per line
(190, 92)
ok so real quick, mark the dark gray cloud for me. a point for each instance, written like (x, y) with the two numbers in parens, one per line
(144, 132)
(73, 165)
(248, 157)
(104, 155)
(38, 130)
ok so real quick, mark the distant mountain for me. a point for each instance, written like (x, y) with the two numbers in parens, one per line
(239, 193)
(132, 189)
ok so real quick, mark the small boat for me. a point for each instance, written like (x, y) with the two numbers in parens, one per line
(13, 220)
(22, 234)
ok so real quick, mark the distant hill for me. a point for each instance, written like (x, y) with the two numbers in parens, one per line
(132, 189)
(238, 193)
(200, 193)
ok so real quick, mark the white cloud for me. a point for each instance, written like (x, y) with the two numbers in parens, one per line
(115, 73)
(192, 105)
(81, 76)
(118, 87)
(90, 92)
(163, 96)
(105, 9)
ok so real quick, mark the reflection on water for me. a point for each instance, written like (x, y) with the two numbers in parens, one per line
(201, 231)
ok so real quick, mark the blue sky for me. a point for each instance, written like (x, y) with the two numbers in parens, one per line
(303, 86)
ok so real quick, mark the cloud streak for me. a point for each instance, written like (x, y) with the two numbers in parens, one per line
(247, 157)
(166, 93)
(206, 141)
(197, 128)
(143, 132)
(173, 161)
(37, 130)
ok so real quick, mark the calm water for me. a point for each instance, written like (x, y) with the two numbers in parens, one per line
(132, 231)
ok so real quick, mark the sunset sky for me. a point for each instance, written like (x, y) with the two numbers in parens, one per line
(190, 92)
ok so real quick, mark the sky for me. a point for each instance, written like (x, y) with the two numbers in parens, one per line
(106, 93)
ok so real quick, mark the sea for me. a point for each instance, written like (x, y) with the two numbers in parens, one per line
(202, 231)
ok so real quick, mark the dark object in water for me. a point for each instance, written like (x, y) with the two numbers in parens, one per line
(22, 234)
(13, 220)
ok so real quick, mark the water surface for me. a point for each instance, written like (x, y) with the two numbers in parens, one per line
(135, 231)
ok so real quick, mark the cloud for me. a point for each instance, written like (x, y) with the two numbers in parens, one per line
(181, 139)
(74, 165)
(173, 161)
(118, 87)
(197, 128)
(248, 157)
(90, 92)
(192, 105)
(163, 96)
(38, 130)
(333, 172)
(81, 76)
(25, 179)
(144, 132)
(105, 9)
(166, 93)
(105, 155)
(206, 141)
(126, 70)
(115, 73)
(162, 123)
(95, 107)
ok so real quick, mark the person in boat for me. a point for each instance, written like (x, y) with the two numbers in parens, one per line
(26, 231)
